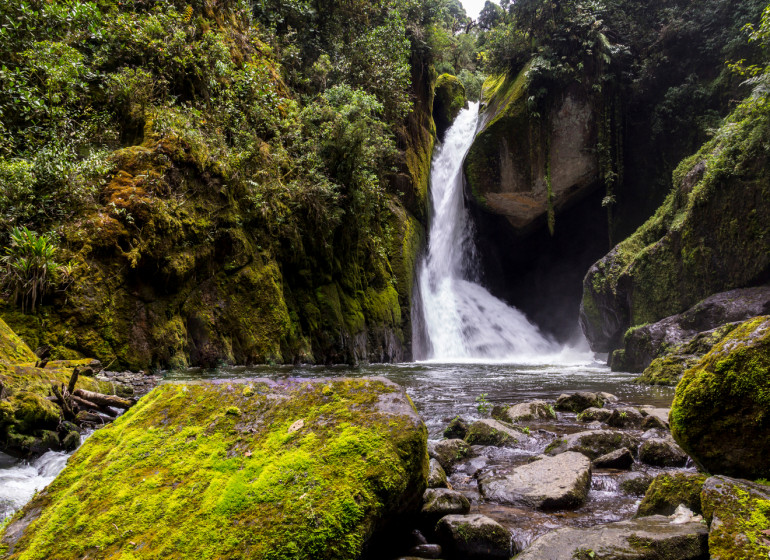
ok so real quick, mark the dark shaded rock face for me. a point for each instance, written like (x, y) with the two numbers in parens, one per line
(474, 537)
(693, 331)
(639, 539)
(712, 234)
(721, 411)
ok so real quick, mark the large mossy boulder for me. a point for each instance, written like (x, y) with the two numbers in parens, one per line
(712, 234)
(13, 349)
(721, 411)
(247, 469)
(449, 100)
(668, 490)
(526, 168)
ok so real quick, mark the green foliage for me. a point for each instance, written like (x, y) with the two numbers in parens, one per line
(29, 269)
(482, 404)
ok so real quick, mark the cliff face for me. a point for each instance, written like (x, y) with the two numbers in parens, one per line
(712, 234)
(229, 219)
(528, 168)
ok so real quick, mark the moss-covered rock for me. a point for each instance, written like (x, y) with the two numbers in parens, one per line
(527, 168)
(721, 411)
(490, 432)
(712, 234)
(448, 101)
(307, 469)
(13, 350)
(667, 491)
(738, 513)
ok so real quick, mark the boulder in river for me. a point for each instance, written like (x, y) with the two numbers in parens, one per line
(648, 538)
(491, 432)
(456, 429)
(662, 452)
(315, 466)
(448, 452)
(721, 411)
(634, 483)
(559, 482)
(438, 502)
(593, 443)
(593, 414)
(436, 475)
(738, 513)
(619, 459)
(578, 402)
(668, 490)
(525, 412)
(625, 417)
(474, 537)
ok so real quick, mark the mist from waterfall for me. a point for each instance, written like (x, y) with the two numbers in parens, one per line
(457, 319)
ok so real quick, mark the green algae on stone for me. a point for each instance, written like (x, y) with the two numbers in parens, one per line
(181, 478)
(668, 490)
(13, 350)
(721, 412)
(738, 513)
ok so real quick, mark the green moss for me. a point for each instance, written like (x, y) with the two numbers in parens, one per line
(182, 479)
(12, 349)
(449, 99)
(667, 491)
(722, 404)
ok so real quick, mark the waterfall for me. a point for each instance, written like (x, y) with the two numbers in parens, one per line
(458, 319)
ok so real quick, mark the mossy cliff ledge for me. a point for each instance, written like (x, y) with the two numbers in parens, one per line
(712, 234)
(31, 424)
(527, 168)
(448, 101)
(721, 411)
(235, 469)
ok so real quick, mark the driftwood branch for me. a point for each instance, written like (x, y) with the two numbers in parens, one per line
(104, 400)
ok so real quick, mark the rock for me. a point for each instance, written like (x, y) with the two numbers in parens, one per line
(456, 429)
(720, 411)
(491, 432)
(653, 423)
(436, 475)
(625, 417)
(505, 166)
(578, 402)
(738, 513)
(608, 397)
(449, 99)
(559, 482)
(618, 459)
(668, 490)
(438, 502)
(593, 414)
(662, 452)
(634, 483)
(13, 350)
(358, 462)
(425, 551)
(593, 443)
(449, 451)
(525, 412)
(648, 538)
(474, 536)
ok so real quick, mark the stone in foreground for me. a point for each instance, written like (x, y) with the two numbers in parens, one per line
(448, 452)
(662, 452)
(525, 412)
(738, 513)
(247, 469)
(439, 502)
(618, 459)
(649, 538)
(669, 490)
(593, 443)
(474, 537)
(559, 482)
(491, 432)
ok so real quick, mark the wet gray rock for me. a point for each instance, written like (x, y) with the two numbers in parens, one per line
(593, 443)
(662, 452)
(656, 412)
(608, 397)
(491, 432)
(559, 482)
(456, 429)
(634, 483)
(439, 502)
(625, 418)
(645, 343)
(474, 537)
(648, 538)
(448, 452)
(578, 402)
(525, 412)
(594, 414)
(436, 475)
(619, 459)
(653, 423)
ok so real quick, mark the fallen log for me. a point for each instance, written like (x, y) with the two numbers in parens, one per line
(104, 400)
(88, 405)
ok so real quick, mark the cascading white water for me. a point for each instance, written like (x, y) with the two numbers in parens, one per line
(461, 320)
